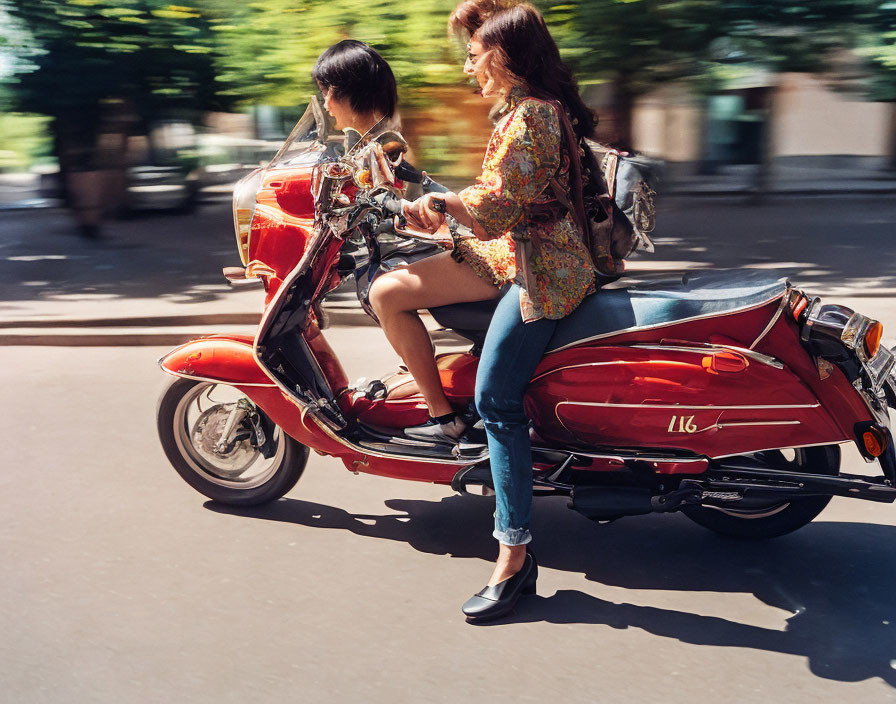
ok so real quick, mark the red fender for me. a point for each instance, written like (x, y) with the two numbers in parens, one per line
(225, 358)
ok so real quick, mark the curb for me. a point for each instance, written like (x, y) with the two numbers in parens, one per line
(147, 331)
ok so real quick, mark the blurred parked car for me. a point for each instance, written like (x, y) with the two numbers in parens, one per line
(174, 167)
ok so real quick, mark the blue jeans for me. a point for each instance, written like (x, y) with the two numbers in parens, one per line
(511, 352)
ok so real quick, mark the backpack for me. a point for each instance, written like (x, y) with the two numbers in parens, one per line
(618, 193)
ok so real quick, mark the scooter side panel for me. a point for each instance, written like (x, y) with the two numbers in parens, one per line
(836, 394)
(625, 396)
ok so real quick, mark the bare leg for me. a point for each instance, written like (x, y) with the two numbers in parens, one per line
(397, 296)
(510, 561)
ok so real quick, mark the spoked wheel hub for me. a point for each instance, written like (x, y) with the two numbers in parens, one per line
(224, 446)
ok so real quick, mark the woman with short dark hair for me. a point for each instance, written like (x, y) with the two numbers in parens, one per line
(358, 86)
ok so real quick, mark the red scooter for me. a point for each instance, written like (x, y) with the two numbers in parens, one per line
(724, 395)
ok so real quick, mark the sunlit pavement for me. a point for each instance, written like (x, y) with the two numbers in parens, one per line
(157, 280)
(120, 583)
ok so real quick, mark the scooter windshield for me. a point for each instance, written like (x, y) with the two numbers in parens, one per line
(311, 140)
(314, 135)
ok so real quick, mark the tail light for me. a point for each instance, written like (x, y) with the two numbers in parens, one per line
(831, 328)
(872, 439)
(871, 342)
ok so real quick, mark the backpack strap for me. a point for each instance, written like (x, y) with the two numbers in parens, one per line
(571, 200)
(610, 166)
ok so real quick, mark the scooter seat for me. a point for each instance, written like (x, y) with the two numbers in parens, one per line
(471, 320)
(630, 304)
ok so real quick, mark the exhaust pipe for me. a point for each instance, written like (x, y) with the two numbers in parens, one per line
(612, 502)
(608, 503)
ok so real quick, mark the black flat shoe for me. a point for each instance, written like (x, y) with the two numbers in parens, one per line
(493, 602)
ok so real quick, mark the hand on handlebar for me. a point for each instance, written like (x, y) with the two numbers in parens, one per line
(426, 213)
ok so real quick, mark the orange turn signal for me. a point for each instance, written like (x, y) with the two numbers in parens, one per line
(875, 442)
(724, 362)
(872, 338)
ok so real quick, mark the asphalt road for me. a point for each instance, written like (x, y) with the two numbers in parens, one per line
(121, 584)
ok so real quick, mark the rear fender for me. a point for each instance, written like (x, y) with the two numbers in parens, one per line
(226, 359)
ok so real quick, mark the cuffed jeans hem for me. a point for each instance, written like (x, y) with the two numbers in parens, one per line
(513, 536)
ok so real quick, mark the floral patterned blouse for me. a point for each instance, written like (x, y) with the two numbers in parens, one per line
(513, 198)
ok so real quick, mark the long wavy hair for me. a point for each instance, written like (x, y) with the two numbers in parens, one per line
(523, 52)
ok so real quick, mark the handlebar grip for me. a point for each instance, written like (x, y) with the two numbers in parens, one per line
(438, 205)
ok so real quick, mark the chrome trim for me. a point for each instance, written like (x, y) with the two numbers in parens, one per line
(678, 407)
(644, 458)
(750, 423)
(777, 316)
(583, 364)
(879, 411)
(710, 347)
(667, 323)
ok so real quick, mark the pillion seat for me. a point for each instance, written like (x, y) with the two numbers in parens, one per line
(635, 303)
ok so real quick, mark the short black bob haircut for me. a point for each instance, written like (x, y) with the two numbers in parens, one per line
(355, 71)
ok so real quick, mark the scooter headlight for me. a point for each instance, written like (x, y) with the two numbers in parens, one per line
(244, 194)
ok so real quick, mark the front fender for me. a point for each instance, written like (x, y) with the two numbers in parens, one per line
(227, 359)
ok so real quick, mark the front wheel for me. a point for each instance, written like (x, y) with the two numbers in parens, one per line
(778, 519)
(192, 417)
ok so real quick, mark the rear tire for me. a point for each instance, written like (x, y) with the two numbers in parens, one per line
(251, 479)
(780, 519)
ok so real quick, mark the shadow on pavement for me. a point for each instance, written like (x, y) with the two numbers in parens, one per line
(836, 579)
(820, 242)
(178, 257)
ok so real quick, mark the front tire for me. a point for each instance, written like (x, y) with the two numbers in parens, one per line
(779, 519)
(238, 476)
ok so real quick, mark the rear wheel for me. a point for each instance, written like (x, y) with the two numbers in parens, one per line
(773, 520)
(192, 417)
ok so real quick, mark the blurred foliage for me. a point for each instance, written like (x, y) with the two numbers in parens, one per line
(24, 140)
(215, 53)
(77, 60)
(156, 57)
(878, 47)
(267, 49)
(643, 43)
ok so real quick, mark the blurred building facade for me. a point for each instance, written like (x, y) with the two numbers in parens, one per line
(792, 119)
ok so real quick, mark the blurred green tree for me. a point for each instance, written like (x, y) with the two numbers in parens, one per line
(267, 49)
(101, 69)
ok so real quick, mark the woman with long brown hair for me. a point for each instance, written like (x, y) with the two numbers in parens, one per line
(525, 235)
